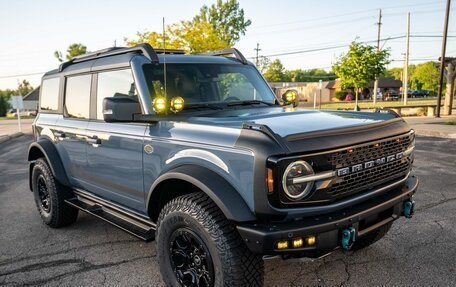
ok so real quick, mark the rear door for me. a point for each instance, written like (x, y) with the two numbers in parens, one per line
(70, 129)
(114, 157)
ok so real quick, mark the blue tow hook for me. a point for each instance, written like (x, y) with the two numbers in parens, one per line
(348, 238)
(409, 208)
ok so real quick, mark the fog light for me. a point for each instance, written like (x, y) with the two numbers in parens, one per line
(282, 244)
(297, 242)
(311, 240)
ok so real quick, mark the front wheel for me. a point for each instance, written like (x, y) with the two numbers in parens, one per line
(198, 246)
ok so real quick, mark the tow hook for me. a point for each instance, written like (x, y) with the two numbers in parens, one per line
(348, 238)
(409, 208)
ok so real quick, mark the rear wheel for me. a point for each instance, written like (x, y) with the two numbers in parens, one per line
(198, 246)
(50, 197)
(372, 237)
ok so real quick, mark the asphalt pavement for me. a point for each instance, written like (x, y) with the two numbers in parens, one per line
(416, 252)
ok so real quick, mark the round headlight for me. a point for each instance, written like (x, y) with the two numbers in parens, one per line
(294, 170)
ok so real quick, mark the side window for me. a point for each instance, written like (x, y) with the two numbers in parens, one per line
(49, 97)
(77, 96)
(114, 84)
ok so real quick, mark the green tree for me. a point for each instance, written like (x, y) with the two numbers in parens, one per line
(276, 72)
(395, 73)
(360, 65)
(426, 76)
(216, 27)
(263, 64)
(227, 18)
(23, 88)
(73, 50)
(4, 105)
(312, 75)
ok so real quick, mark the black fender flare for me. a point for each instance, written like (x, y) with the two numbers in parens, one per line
(215, 186)
(48, 149)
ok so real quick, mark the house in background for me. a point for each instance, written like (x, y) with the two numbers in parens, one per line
(384, 84)
(31, 99)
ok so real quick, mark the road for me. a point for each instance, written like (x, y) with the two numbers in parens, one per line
(10, 126)
(419, 252)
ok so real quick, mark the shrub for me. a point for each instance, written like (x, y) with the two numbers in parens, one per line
(340, 95)
(4, 106)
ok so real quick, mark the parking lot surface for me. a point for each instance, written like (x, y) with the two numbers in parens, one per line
(418, 252)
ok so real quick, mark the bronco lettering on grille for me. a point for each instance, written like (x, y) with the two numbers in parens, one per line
(368, 164)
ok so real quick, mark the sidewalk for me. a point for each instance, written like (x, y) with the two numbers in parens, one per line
(433, 127)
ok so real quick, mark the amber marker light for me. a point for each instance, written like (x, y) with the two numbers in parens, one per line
(270, 181)
(282, 244)
(311, 240)
(159, 105)
(297, 243)
(177, 104)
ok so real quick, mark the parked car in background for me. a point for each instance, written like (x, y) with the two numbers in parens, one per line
(12, 113)
(420, 93)
(391, 95)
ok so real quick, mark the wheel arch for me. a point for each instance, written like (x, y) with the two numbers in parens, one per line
(45, 148)
(190, 178)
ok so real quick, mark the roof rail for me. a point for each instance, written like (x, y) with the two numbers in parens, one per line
(143, 48)
(170, 51)
(228, 51)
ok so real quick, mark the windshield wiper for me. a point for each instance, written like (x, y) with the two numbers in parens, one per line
(249, 102)
(202, 106)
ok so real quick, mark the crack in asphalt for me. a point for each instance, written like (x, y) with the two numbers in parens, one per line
(84, 265)
(19, 259)
(432, 205)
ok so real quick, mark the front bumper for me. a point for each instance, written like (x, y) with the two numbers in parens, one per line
(364, 217)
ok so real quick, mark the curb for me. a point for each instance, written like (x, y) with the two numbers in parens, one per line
(8, 137)
(435, 134)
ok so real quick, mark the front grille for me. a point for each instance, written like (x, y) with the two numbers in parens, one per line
(369, 178)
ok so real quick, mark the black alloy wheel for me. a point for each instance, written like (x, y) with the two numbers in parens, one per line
(43, 194)
(190, 259)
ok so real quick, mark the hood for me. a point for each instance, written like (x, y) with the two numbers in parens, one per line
(287, 122)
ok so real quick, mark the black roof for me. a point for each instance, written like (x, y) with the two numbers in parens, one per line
(33, 95)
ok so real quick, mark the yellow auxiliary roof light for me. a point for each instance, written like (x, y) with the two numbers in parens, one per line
(176, 104)
(159, 105)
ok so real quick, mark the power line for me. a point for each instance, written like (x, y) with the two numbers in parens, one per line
(22, 75)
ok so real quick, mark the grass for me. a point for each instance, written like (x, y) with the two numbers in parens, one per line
(451, 122)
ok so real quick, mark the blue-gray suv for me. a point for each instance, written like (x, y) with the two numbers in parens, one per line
(196, 152)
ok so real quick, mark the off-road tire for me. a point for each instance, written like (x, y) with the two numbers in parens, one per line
(233, 263)
(60, 213)
(372, 237)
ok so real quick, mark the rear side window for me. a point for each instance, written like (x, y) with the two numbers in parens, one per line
(114, 84)
(49, 97)
(77, 96)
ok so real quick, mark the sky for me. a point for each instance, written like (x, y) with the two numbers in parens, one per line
(315, 32)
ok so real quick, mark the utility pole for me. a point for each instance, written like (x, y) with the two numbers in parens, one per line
(407, 46)
(442, 57)
(378, 50)
(257, 49)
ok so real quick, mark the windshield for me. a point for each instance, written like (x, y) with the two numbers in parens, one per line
(209, 85)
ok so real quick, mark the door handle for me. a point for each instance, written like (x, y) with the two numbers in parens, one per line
(93, 140)
(59, 134)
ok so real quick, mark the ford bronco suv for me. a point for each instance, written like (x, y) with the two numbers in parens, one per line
(197, 153)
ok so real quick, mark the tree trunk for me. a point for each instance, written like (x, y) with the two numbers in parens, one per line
(356, 99)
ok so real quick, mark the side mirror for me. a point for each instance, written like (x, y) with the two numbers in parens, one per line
(120, 109)
(289, 97)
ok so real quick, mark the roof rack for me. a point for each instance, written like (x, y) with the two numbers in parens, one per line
(228, 51)
(143, 48)
(170, 51)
